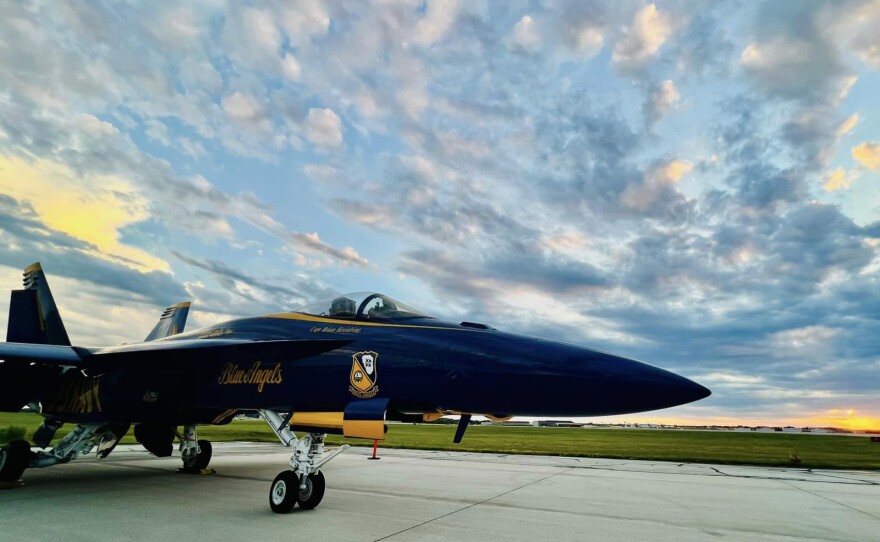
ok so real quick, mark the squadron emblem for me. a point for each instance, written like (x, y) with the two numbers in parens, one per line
(364, 376)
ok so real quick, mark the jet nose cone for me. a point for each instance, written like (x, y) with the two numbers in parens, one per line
(669, 389)
(679, 390)
(699, 392)
(636, 387)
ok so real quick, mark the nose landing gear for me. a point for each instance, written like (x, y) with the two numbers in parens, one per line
(304, 483)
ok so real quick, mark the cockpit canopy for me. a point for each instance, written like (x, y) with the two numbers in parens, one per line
(361, 306)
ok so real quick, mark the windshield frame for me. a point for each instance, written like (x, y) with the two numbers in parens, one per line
(357, 303)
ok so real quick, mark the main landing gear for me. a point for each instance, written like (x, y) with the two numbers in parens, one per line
(196, 454)
(17, 456)
(14, 458)
(304, 484)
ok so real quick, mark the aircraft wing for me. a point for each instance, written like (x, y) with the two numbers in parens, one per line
(49, 354)
(166, 352)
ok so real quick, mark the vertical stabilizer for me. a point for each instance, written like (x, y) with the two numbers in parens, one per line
(34, 319)
(25, 324)
(33, 316)
(171, 322)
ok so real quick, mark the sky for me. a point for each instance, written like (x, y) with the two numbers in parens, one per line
(692, 184)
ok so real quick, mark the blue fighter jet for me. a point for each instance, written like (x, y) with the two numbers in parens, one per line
(343, 366)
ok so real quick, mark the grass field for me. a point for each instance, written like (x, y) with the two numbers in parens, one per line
(815, 451)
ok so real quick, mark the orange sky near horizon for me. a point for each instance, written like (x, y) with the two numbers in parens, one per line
(843, 419)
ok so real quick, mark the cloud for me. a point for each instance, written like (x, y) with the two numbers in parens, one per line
(867, 155)
(93, 209)
(703, 43)
(544, 35)
(659, 184)
(291, 67)
(305, 21)
(642, 38)
(663, 97)
(246, 111)
(856, 27)
(243, 294)
(868, 48)
(93, 149)
(838, 179)
(157, 131)
(261, 29)
(323, 128)
(671, 172)
(28, 239)
(193, 149)
(437, 22)
(803, 69)
(794, 56)
(312, 242)
(802, 341)
(585, 38)
(525, 35)
(847, 126)
(178, 27)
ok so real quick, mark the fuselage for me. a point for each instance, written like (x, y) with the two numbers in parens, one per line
(420, 364)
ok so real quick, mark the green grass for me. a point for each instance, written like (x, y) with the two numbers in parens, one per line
(815, 451)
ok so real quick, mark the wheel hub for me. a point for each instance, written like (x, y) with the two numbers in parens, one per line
(279, 492)
(306, 492)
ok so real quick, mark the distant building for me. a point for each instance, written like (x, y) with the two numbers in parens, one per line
(556, 423)
(512, 424)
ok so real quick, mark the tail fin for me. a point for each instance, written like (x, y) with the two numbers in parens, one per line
(171, 322)
(33, 316)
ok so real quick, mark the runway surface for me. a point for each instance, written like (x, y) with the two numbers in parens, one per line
(421, 495)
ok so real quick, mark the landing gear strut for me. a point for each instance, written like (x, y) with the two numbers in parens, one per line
(304, 484)
(196, 454)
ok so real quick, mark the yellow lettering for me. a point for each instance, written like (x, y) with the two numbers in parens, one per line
(231, 373)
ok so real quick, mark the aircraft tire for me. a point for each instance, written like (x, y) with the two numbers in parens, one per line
(284, 491)
(310, 496)
(14, 459)
(200, 461)
(204, 456)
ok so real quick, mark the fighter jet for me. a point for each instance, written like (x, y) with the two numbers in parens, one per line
(342, 366)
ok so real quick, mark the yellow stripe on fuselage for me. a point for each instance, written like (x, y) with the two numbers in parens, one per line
(357, 323)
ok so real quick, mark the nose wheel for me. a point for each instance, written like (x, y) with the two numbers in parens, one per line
(311, 494)
(287, 491)
(283, 494)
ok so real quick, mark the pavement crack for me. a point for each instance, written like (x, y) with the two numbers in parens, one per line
(462, 509)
